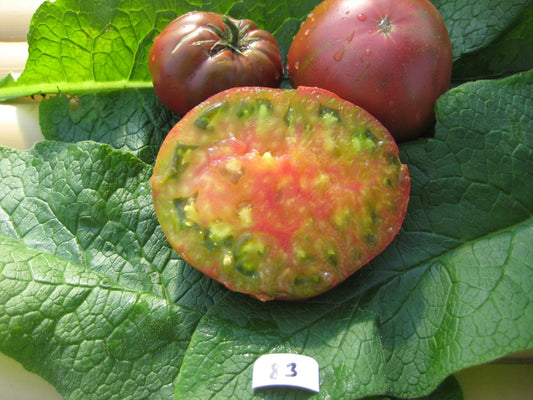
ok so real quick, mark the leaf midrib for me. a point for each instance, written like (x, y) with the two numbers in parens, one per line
(72, 88)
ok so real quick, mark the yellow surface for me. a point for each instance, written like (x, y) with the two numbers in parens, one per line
(18, 384)
(15, 16)
(498, 381)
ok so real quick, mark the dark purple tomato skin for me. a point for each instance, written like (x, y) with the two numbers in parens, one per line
(187, 66)
(391, 57)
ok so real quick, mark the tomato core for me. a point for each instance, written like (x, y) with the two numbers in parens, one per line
(384, 25)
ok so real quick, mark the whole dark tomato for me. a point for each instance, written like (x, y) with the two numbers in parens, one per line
(390, 57)
(202, 53)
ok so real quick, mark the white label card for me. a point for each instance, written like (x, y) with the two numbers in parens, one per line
(286, 370)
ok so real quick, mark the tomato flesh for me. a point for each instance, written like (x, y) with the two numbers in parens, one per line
(281, 194)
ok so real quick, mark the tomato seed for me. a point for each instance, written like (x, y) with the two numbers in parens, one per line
(329, 115)
(204, 120)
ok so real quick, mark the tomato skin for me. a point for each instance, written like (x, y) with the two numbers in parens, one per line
(397, 75)
(281, 194)
(186, 69)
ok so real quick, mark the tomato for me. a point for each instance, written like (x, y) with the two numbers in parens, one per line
(390, 57)
(280, 194)
(202, 53)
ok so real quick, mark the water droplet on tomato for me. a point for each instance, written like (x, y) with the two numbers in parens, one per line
(338, 55)
(311, 17)
(350, 37)
(368, 52)
(306, 33)
(361, 17)
(297, 65)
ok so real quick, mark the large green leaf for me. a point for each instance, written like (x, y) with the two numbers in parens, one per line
(91, 295)
(473, 25)
(87, 335)
(455, 289)
(132, 120)
(509, 52)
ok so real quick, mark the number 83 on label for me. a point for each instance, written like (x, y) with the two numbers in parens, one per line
(283, 369)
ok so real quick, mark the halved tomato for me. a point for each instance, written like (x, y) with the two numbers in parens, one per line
(280, 194)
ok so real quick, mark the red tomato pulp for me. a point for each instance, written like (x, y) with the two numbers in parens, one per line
(281, 194)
